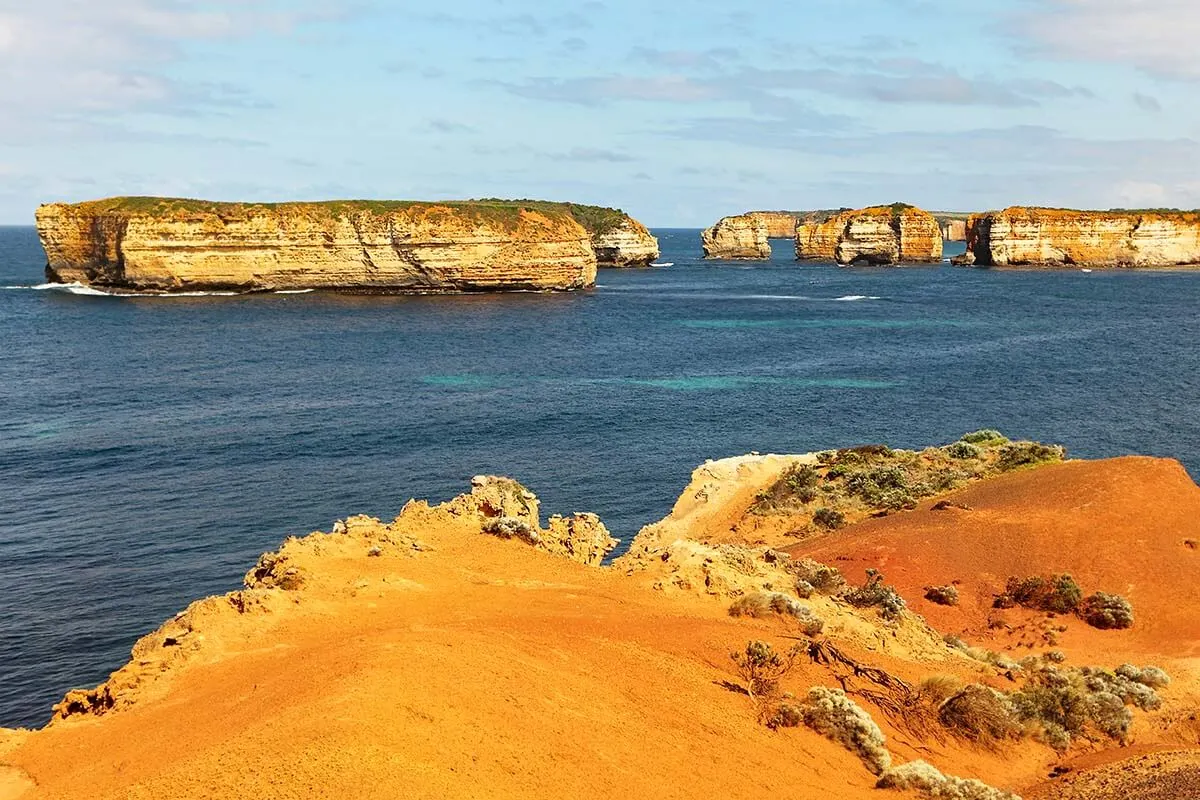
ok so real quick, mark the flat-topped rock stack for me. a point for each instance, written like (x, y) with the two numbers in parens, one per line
(158, 244)
(1057, 238)
(895, 234)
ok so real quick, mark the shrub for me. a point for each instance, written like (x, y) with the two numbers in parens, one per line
(986, 438)
(937, 689)
(1059, 594)
(761, 667)
(821, 578)
(829, 518)
(930, 782)
(875, 593)
(942, 595)
(964, 451)
(1067, 703)
(787, 715)
(832, 714)
(512, 528)
(1153, 677)
(1107, 611)
(980, 713)
(765, 604)
(796, 483)
(1022, 454)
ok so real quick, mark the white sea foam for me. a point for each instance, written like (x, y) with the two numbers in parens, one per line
(852, 298)
(91, 291)
(294, 291)
(72, 288)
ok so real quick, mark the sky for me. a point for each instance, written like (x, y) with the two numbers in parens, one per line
(679, 113)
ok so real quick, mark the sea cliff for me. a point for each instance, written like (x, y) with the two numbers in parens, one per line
(625, 243)
(154, 244)
(1054, 238)
(739, 237)
(894, 234)
(780, 224)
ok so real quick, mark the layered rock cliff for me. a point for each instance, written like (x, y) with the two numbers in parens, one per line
(780, 224)
(626, 244)
(740, 237)
(150, 244)
(1053, 238)
(953, 229)
(895, 234)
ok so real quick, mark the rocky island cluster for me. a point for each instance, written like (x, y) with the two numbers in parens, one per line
(1015, 237)
(158, 244)
(894, 234)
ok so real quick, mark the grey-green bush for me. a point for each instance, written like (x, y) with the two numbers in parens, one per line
(927, 779)
(832, 714)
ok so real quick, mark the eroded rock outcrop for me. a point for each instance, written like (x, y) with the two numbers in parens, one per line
(953, 229)
(627, 244)
(1054, 238)
(507, 509)
(780, 224)
(150, 244)
(895, 234)
(740, 237)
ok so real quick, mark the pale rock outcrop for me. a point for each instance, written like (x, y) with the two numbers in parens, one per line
(1053, 238)
(780, 224)
(150, 244)
(629, 244)
(954, 230)
(879, 235)
(504, 505)
(740, 237)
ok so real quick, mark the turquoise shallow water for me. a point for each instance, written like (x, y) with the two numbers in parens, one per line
(151, 448)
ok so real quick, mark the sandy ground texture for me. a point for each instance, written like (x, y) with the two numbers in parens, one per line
(422, 658)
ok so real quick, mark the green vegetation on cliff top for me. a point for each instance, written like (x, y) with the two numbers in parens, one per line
(594, 219)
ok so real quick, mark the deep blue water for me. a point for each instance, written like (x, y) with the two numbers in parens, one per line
(151, 448)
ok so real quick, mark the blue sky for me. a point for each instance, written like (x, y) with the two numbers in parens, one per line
(679, 113)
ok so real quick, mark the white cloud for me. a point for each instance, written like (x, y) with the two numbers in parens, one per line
(1157, 36)
(66, 59)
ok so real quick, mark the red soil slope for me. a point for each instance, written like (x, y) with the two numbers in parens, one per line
(1129, 526)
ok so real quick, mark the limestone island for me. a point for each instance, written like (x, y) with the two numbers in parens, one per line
(880, 235)
(150, 244)
(973, 621)
(895, 234)
(1058, 238)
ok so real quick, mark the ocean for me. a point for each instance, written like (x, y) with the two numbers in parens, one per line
(151, 448)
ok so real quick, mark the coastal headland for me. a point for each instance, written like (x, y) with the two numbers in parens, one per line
(894, 602)
(162, 244)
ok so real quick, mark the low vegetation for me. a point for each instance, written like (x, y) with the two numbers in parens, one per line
(1055, 704)
(813, 577)
(832, 714)
(849, 484)
(942, 595)
(876, 594)
(1107, 611)
(1060, 594)
(512, 528)
(760, 667)
(768, 604)
(595, 219)
(929, 781)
